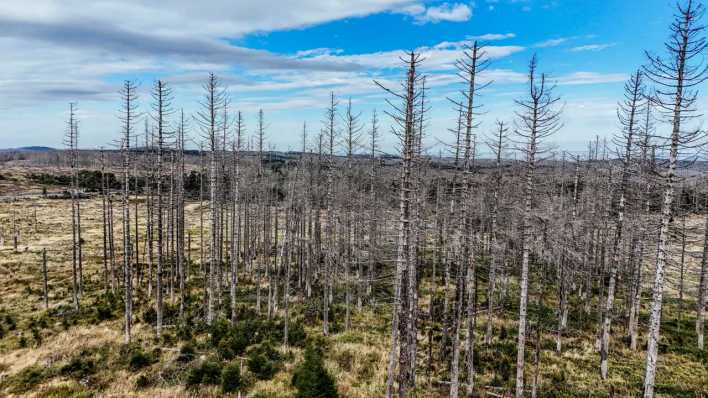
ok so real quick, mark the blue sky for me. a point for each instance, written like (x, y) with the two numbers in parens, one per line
(285, 57)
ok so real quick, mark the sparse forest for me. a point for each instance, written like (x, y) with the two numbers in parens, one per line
(188, 258)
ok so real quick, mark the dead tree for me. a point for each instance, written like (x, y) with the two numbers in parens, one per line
(629, 110)
(404, 119)
(330, 134)
(128, 115)
(676, 77)
(104, 219)
(161, 109)
(351, 142)
(210, 123)
(537, 119)
(44, 278)
(71, 140)
(473, 62)
(235, 211)
(180, 216)
(497, 145)
(373, 217)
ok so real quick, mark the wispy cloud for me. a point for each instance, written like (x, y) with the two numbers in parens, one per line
(105, 37)
(493, 36)
(582, 78)
(561, 40)
(592, 47)
(552, 42)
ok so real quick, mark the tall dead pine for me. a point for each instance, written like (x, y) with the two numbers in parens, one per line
(536, 119)
(677, 77)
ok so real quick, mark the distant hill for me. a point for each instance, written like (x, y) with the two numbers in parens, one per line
(29, 149)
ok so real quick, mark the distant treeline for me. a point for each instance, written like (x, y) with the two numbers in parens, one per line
(90, 181)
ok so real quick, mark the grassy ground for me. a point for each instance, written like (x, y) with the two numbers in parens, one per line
(60, 353)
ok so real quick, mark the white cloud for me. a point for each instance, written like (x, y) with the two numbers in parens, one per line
(592, 47)
(494, 36)
(582, 78)
(317, 52)
(552, 42)
(441, 56)
(213, 19)
(445, 12)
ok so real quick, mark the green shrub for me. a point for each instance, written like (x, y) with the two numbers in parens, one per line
(150, 316)
(230, 378)
(194, 377)
(79, 367)
(37, 336)
(186, 353)
(311, 378)
(10, 322)
(296, 335)
(142, 381)
(209, 372)
(264, 361)
(103, 312)
(184, 331)
(219, 330)
(139, 359)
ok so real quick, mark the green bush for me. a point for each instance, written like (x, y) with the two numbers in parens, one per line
(139, 359)
(219, 330)
(150, 316)
(311, 378)
(209, 372)
(142, 381)
(10, 322)
(186, 353)
(232, 340)
(264, 361)
(230, 378)
(79, 367)
(184, 330)
(296, 334)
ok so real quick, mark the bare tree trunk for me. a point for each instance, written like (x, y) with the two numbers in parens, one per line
(44, 277)
(406, 121)
(681, 73)
(498, 147)
(162, 100)
(538, 120)
(111, 244)
(628, 111)
(72, 138)
(215, 98)
(700, 304)
(235, 216)
(182, 275)
(128, 115)
(79, 243)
